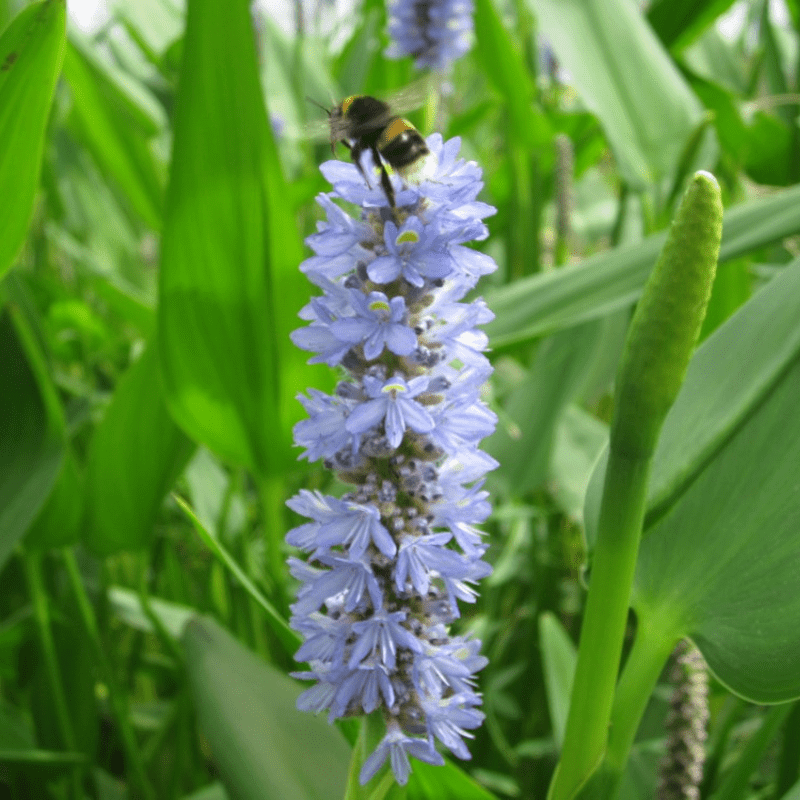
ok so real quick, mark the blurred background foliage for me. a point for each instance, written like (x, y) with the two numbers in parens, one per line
(156, 183)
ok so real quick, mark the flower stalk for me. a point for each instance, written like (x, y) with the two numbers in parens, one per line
(389, 560)
(660, 342)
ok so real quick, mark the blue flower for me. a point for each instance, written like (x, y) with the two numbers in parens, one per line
(388, 561)
(397, 746)
(391, 403)
(434, 32)
(378, 323)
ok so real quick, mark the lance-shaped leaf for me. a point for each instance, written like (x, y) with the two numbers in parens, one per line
(226, 228)
(600, 284)
(264, 747)
(722, 565)
(31, 49)
(626, 77)
(135, 456)
(31, 430)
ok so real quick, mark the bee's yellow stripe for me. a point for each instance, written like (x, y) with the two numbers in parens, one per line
(347, 102)
(396, 127)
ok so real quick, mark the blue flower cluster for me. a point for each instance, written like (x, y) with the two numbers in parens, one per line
(389, 560)
(435, 32)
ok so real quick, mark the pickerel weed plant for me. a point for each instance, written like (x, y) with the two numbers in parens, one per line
(389, 560)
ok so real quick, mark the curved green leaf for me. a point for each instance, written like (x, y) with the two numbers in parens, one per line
(31, 430)
(264, 747)
(724, 560)
(117, 121)
(230, 250)
(627, 79)
(58, 523)
(31, 49)
(135, 456)
(613, 279)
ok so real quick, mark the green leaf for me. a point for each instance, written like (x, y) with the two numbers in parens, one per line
(722, 564)
(505, 67)
(58, 523)
(536, 404)
(264, 748)
(559, 656)
(679, 22)
(793, 793)
(613, 279)
(288, 637)
(135, 456)
(31, 430)
(623, 75)
(230, 251)
(736, 783)
(31, 49)
(428, 782)
(116, 119)
(127, 605)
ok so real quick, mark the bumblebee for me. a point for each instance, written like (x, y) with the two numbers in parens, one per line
(364, 123)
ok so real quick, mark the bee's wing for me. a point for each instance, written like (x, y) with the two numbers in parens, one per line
(319, 130)
(412, 96)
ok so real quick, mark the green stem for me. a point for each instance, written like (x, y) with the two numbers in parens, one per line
(604, 623)
(41, 610)
(651, 649)
(133, 758)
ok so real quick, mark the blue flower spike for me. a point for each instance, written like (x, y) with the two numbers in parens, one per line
(434, 32)
(389, 560)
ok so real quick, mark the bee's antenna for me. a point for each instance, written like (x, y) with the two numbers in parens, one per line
(318, 105)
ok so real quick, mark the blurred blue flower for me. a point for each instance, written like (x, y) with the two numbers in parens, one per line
(388, 561)
(434, 32)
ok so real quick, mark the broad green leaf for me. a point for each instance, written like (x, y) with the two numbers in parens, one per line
(264, 748)
(135, 456)
(31, 430)
(559, 656)
(679, 22)
(505, 67)
(623, 75)
(230, 251)
(117, 121)
(428, 782)
(31, 49)
(58, 523)
(216, 791)
(721, 565)
(613, 279)
(732, 372)
(155, 24)
(793, 793)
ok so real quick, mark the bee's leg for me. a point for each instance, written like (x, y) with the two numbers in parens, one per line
(355, 154)
(386, 184)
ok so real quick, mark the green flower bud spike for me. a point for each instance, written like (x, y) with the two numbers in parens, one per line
(661, 340)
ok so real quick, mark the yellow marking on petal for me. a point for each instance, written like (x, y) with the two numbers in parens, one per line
(379, 305)
(393, 388)
(407, 236)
